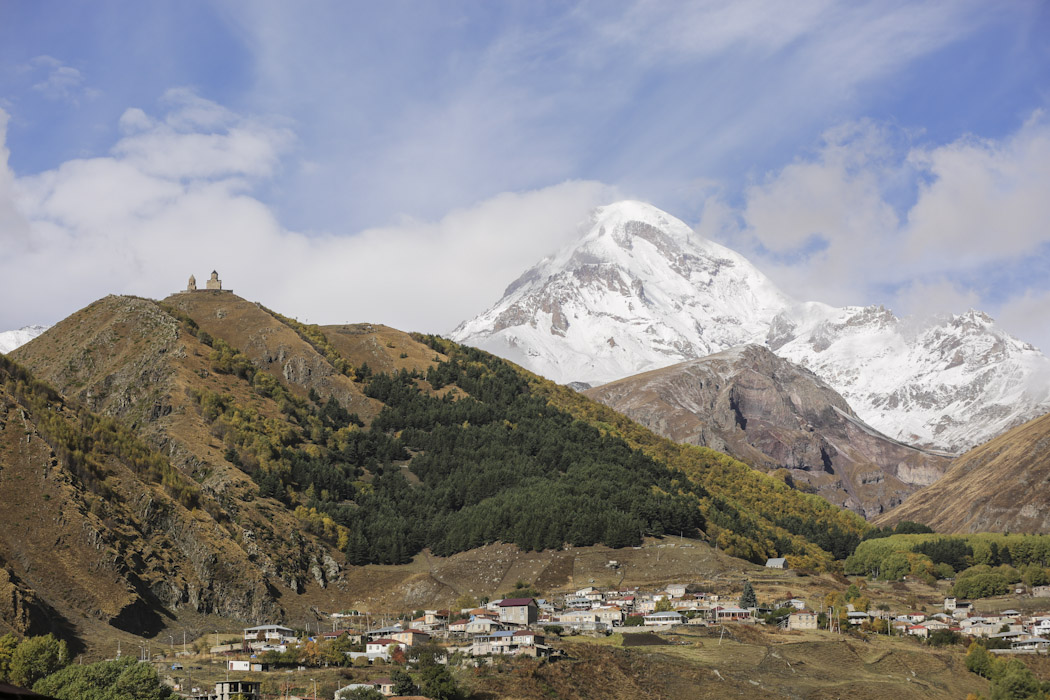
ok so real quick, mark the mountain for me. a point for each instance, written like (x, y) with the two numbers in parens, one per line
(773, 414)
(640, 291)
(1001, 486)
(952, 382)
(204, 455)
(9, 340)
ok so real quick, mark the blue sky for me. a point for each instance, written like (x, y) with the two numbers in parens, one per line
(402, 162)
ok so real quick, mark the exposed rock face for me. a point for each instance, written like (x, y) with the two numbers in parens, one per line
(1001, 486)
(773, 414)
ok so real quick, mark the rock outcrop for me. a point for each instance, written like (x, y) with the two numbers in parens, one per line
(774, 415)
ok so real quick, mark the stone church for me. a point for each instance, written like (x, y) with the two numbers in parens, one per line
(213, 284)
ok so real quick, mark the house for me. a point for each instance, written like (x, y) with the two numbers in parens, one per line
(225, 690)
(521, 612)
(507, 642)
(1041, 591)
(482, 625)
(858, 617)
(1030, 643)
(246, 665)
(410, 637)
(776, 563)
(918, 631)
(802, 620)
(272, 634)
(384, 631)
(353, 635)
(610, 615)
(381, 648)
(796, 603)
(663, 619)
(731, 614)
(676, 590)
(458, 627)
(624, 602)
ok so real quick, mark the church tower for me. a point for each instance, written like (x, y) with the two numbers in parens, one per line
(192, 286)
(214, 282)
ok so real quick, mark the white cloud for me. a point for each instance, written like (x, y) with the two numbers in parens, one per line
(174, 198)
(1026, 317)
(985, 199)
(867, 221)
(61, 82)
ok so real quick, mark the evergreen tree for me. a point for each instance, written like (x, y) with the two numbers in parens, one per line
(748, 599)
(403, 683)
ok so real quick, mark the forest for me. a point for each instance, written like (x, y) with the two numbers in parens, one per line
(499, 458)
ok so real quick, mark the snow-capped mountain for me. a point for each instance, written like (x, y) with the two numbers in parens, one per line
(951, 382)
(9, 340)
(640, 290)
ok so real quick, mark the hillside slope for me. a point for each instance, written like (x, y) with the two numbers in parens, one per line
(1001, 486)
(223, 459)
(773, 414)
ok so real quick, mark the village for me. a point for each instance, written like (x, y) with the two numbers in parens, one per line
(373, 652)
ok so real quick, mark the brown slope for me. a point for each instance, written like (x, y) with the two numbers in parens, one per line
(98, 542)
(1001, 486)
(773, 414)
(131, 359)
(128, 358)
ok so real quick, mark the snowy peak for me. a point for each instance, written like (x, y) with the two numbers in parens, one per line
(9, 340)
(949, 382)
(639, 290)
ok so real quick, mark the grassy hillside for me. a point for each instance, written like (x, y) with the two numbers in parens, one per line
(236, 462)
(1000, 486)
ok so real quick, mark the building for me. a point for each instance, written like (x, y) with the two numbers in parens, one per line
(731, 614)
(255, 637)
(659, 619)
(226, 690)
(776, 563)
(518, 611)
(802, 620)
(676, 590)
(381, 648)
(410, 638)
(213, 284)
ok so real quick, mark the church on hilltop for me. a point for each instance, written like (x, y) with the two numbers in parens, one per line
(214, 284)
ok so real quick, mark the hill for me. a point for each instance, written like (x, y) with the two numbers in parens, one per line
(773, 414)
(1000, 486)
(221, 459)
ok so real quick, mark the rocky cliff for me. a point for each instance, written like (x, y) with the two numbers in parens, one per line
(773, 414)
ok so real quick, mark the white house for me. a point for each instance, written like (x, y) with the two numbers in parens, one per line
(273, 634)
(776, 563)
(381, 648)
(658, 619)
(676, 590)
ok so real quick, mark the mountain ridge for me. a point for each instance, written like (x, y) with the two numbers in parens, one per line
(231, 461)
(775, 415)
(639, 290)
